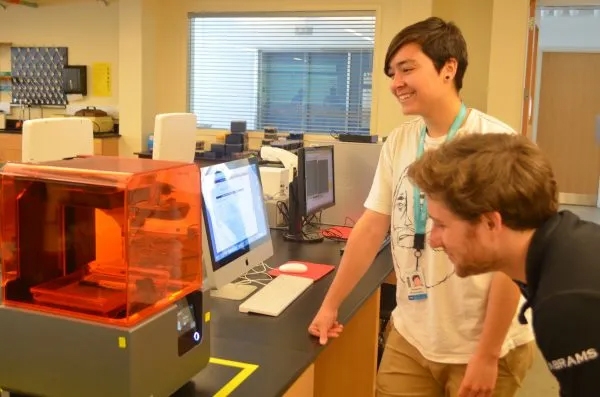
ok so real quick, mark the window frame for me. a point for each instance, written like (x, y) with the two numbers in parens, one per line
(373, 13)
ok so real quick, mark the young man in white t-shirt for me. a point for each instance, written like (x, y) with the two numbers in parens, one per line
(449, 336)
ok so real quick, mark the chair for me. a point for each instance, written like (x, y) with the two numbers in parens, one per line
(56, 139)
(175, 137)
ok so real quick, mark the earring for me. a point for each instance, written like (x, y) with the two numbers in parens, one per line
(447, 77)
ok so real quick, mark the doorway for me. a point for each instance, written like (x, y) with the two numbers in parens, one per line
(568, 109)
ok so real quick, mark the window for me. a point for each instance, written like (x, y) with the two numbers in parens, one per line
(310, 74)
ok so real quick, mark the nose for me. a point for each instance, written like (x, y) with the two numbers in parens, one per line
(396, 83)
(435, 238)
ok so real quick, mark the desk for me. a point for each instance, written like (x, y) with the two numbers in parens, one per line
(106, 144)
(290, 362)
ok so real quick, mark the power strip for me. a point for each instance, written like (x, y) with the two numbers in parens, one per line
(358, 138)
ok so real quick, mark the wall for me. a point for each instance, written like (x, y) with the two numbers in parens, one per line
(474, 18)
(90, 30)
(147, 43)
(139, 56)
(495, 78)
(508, 55)
(391, 16)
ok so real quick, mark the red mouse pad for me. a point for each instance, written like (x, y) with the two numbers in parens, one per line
(315, 271)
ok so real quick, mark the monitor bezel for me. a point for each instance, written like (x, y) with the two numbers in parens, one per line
(303, 202)
(235, 265)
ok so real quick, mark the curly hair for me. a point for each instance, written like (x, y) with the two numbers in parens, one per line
(476, 174)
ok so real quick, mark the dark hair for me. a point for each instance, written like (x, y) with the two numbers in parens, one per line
(476, 174)
(439, 40)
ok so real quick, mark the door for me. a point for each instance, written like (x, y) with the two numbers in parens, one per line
(569, 107)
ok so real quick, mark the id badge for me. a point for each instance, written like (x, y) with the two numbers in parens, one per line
(416, 286)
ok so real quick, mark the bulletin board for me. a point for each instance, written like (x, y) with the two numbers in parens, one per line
(37, 75)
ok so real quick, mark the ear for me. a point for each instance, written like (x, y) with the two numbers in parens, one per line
(492, 221)
(450, 68)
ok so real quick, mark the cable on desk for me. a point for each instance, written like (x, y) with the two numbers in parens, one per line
(264, 269)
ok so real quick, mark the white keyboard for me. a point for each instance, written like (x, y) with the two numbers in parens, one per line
(277, 295)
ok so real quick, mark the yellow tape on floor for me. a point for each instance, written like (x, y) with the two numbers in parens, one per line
(236, 381)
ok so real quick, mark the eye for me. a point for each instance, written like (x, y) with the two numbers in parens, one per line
(438, 225)
(407, 70)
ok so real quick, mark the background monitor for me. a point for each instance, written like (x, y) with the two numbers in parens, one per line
(312, 190)
(236, 235)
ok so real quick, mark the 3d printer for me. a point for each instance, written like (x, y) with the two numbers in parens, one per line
(101, 278)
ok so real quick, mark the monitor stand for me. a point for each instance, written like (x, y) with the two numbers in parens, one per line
(303, 237)
(296, 220)
(233, 291)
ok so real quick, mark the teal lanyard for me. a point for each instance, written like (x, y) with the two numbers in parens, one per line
(419, 204)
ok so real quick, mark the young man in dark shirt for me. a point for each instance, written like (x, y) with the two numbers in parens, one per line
(493, 200)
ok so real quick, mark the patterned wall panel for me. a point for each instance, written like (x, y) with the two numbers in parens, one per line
(37, 74)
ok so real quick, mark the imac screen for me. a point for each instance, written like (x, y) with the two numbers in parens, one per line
(234, 209)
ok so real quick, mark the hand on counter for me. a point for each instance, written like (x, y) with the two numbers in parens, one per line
(325, 325)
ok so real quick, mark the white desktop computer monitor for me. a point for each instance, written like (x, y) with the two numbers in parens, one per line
(236, 235)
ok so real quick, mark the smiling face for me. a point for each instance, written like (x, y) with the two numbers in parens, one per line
(473, 247)
(416, 83)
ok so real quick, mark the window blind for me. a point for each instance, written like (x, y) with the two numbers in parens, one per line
(296, 73)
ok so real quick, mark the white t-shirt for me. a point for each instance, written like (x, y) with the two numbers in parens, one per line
(446, 326)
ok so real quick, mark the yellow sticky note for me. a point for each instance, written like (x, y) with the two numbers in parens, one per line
(101, 79)
(122, 342)
(206, 317)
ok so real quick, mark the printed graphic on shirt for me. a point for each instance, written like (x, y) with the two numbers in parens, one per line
(576, 359)
(403, 232)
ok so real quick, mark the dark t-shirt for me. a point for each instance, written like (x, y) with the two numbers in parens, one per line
(563, 291)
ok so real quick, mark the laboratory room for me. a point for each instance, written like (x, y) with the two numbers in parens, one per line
(185, 187)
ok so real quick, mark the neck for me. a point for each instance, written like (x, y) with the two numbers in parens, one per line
(439, 121)
(516, 249)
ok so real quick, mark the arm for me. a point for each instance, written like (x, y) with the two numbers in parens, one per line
(361, 248)
(482, 371)
(503, 300)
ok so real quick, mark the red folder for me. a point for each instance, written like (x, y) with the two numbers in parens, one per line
(315, 271)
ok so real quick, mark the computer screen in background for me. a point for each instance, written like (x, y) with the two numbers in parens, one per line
(236, 235)
(312, 190)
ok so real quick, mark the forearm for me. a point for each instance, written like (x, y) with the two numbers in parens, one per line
(503, 299)
(361, 248)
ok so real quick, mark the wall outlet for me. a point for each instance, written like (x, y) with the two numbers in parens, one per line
(5, 107)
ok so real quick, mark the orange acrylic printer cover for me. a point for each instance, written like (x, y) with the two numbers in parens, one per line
(108, 239)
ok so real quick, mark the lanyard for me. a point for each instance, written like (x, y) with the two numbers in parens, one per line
(419, 203)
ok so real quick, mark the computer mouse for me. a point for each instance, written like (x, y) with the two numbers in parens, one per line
(293, 267)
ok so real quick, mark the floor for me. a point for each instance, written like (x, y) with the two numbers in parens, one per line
(539, 382)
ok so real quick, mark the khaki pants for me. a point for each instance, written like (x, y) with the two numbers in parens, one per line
(404, 372)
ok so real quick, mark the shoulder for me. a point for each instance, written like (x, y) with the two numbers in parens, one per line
(480, 122)
(405, 132)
